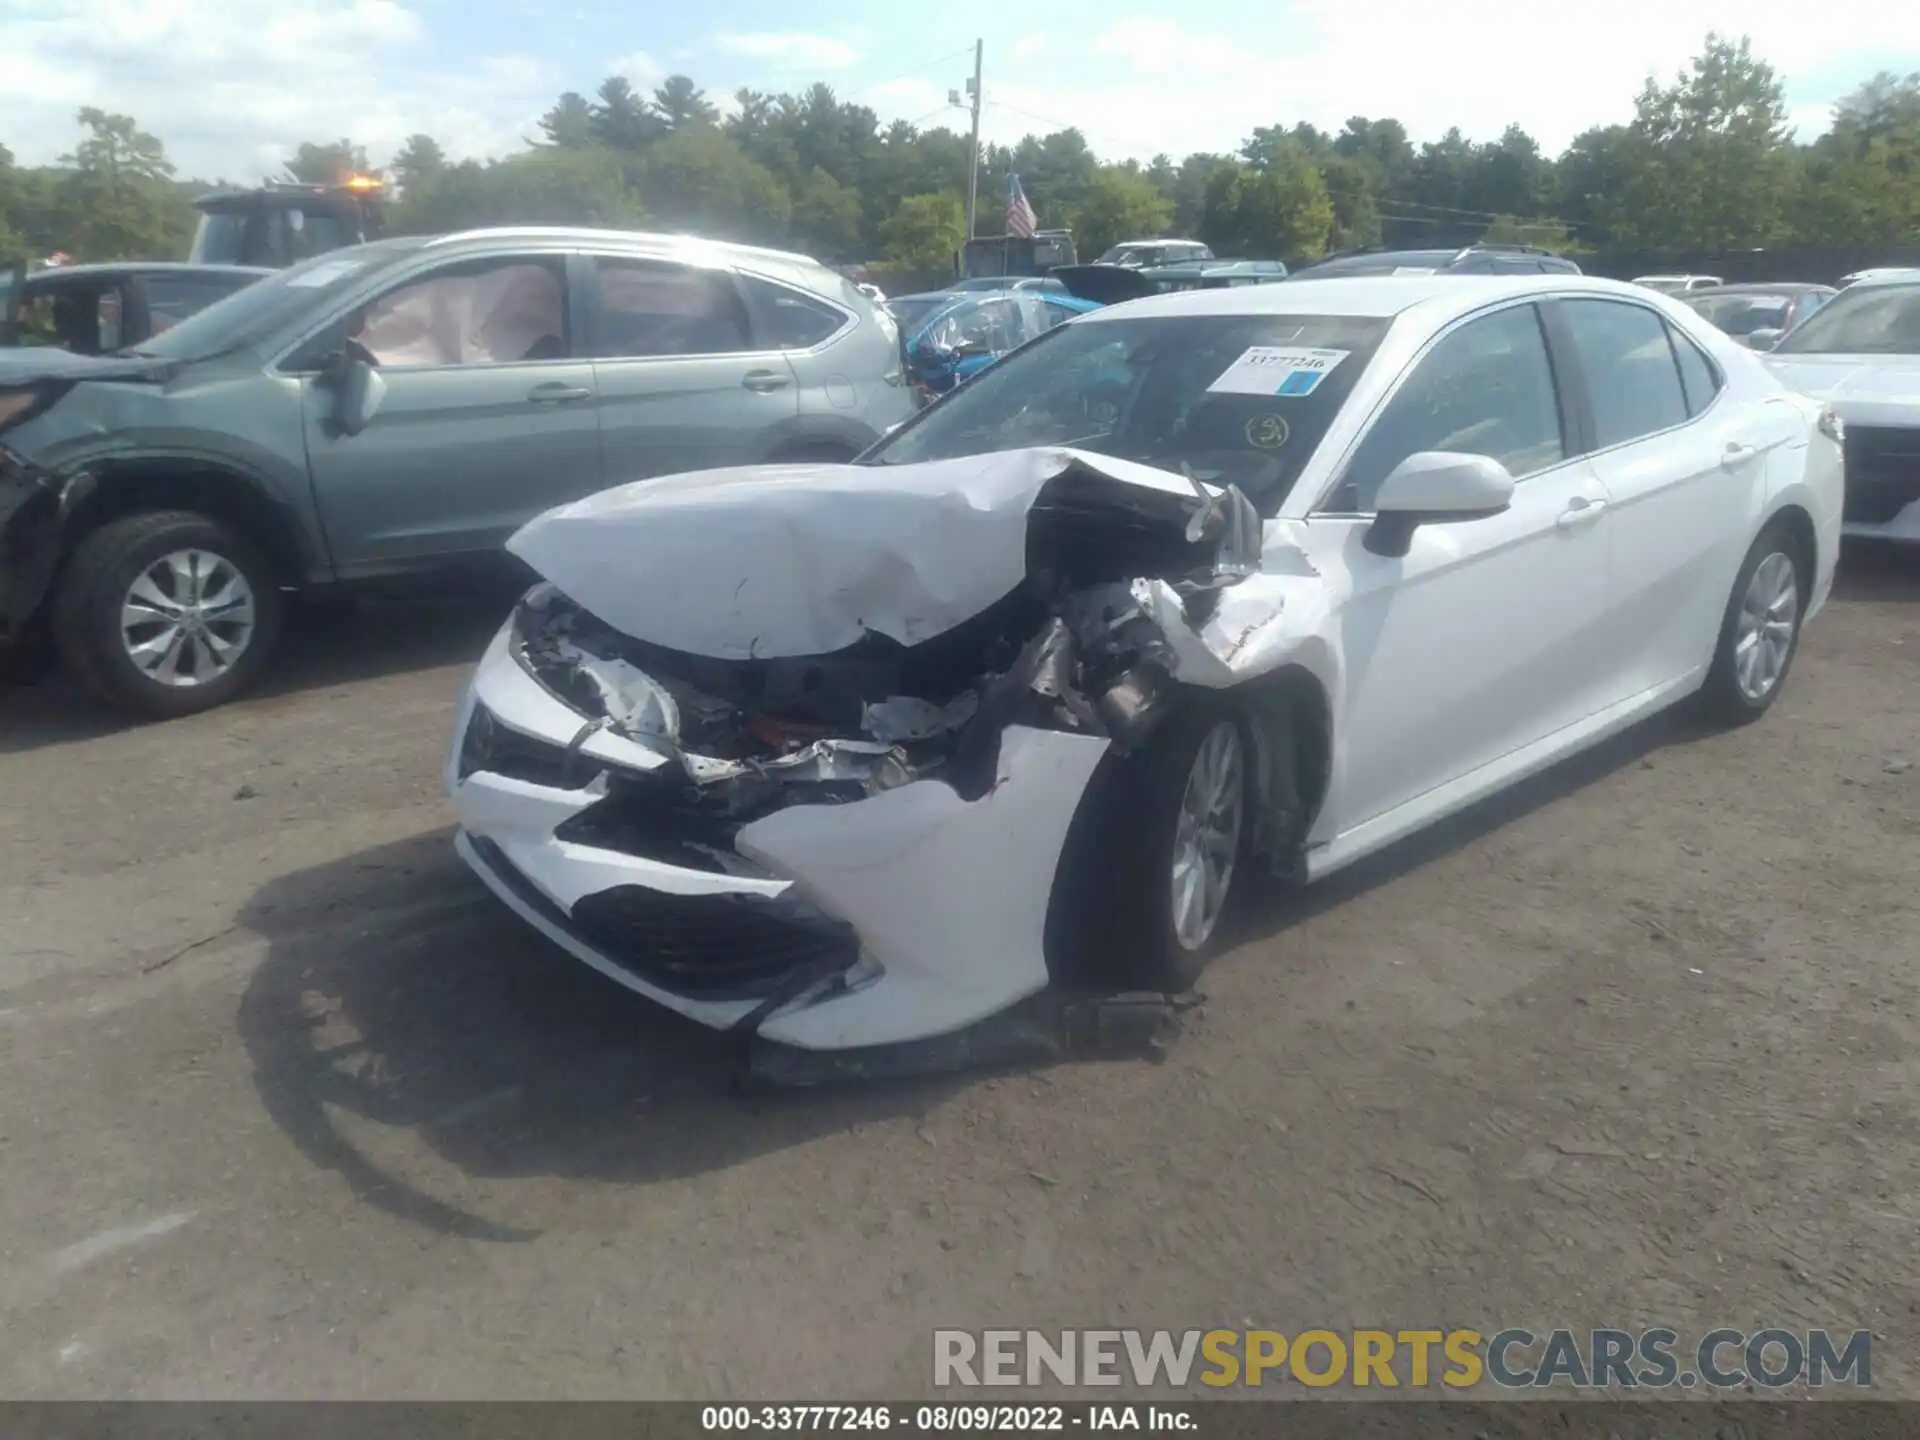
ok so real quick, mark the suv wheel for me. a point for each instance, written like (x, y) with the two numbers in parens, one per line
(167, 613)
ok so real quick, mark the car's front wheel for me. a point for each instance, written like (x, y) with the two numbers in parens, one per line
(1760, 630)
(1160, 850)
(166, 613)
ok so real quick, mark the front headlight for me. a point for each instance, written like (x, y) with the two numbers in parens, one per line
(1831, 427)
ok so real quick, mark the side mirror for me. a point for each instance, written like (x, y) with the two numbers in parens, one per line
(358, 390)
(1764, 339)
(1435, 487)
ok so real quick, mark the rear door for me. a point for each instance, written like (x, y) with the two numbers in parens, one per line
(487, 418)
(684, 381)
(1684, 463)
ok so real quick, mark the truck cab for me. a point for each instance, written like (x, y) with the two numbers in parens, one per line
(1035, 254)
(282, 224)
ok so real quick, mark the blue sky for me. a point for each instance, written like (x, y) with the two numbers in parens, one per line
(233, 85)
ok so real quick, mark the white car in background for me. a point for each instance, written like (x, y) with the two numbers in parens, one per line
(1861, 355)
(854, 755)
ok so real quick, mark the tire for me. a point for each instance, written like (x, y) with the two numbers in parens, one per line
(97, 585)
(1774, 578)
(1115, 910)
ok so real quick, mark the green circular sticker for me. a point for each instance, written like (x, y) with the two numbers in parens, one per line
(1267, 432)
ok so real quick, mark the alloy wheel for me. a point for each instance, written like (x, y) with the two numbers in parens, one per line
(1206, 839)
(187, 618)
(1763, 637)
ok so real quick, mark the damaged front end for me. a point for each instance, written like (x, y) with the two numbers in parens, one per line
(881, 819)
(1072, 649)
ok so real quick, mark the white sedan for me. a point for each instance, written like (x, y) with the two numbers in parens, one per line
(1861, 355)
(851, 755)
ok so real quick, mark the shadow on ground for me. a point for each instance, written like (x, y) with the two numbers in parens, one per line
(323, 647)
(1874, 573)
(396, 989)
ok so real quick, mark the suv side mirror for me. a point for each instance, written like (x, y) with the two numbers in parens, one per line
(1764, 339)
(1435, 487)
(358, 390)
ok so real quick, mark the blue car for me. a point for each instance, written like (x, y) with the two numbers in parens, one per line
(962, 338)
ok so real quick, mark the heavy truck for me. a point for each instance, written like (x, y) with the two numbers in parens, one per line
(283, 223)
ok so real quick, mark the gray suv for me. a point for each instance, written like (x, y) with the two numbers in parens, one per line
(396, 409)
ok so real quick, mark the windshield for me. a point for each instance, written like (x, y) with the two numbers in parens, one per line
(251, 315)
(1217, 392)
(1744, 314)
(1877, 320)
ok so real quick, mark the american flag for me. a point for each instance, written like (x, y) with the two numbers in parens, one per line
(1020, 217)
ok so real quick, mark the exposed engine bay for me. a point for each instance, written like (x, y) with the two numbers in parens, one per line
(1072, 647)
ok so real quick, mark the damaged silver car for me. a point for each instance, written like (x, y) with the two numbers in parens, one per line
(845, 756)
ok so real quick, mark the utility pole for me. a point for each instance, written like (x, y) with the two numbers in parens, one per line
(973, 155)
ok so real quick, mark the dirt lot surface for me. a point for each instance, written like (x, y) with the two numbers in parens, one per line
(289, 1107)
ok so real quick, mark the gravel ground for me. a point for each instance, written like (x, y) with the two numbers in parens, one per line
(290, 1108)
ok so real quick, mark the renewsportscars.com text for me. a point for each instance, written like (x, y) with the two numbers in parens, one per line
(1511, 1359)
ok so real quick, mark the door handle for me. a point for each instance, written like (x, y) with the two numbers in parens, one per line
(556, 392)
(762, 381)
(1581, 512)
(1738, 454)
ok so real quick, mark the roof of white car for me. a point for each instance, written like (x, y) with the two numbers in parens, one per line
(1383, 296)
(1874, 279)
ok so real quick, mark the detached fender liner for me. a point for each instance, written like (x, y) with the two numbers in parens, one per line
(704, 947)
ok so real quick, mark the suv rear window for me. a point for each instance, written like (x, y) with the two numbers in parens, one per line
(789, 320)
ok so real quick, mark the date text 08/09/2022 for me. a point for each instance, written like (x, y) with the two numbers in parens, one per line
(946, 1419)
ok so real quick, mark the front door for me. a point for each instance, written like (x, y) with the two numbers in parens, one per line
(684, 383)
(487, 418)
(1476, 642)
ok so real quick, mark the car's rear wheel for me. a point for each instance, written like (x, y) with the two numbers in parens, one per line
(1760, 631)
(167, 613)
(1157, 853)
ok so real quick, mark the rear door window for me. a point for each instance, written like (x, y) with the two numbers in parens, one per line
(786, 319)
(650, 308)
(1632, 376)
(1698, 379)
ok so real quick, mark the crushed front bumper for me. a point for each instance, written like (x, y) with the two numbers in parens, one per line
(903, 916)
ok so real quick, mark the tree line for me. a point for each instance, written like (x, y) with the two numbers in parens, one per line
(1706, 163)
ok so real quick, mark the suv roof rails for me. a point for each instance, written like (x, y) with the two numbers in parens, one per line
(1507, 246)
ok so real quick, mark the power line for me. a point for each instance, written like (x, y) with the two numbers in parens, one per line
(1059, 125)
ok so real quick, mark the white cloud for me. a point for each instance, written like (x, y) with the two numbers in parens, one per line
(1028, 46)
(910, 97)
(1419, 63)
(800, 51)
(641, 68)
(234, 87)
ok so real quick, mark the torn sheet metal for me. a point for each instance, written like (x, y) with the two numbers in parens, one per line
(768, 561)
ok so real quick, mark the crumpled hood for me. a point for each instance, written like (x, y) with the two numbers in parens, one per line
(770, 561)
(1864, 389)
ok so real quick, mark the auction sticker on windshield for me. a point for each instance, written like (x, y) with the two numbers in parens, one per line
(1277, 370)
